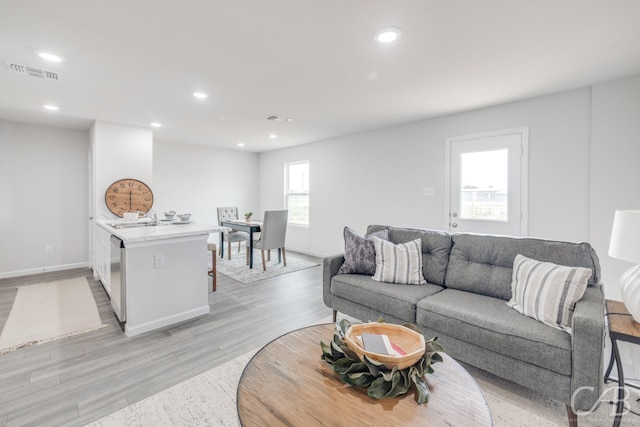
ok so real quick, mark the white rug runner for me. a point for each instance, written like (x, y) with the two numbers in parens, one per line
(49, 311)
(237, 269)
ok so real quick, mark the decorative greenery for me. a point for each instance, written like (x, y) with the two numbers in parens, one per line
(379, 380)
(248, 215)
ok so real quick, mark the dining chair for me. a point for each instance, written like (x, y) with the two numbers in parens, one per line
(230, 236)
(272, 235)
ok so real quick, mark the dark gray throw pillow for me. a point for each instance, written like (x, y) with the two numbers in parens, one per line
(360, 252)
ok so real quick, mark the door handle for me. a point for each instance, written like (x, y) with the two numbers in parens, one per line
(454, 225)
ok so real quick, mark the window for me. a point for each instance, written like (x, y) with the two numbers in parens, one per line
(296, 182)
(483, 191)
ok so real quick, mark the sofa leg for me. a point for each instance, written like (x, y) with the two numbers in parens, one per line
(335, 315)
(573, 417)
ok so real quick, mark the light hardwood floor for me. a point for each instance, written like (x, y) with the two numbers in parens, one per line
(74, 381)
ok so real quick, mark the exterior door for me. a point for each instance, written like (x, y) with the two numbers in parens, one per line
(487, 183)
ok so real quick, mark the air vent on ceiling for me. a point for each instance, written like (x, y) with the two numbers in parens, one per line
(28, 70)
(279, 118)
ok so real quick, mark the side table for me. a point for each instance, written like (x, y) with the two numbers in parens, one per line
(622, 327)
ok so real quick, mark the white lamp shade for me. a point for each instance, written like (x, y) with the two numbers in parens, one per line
(625, 236)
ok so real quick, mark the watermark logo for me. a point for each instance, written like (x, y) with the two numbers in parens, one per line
(609, 395)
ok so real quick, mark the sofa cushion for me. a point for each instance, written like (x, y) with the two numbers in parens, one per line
(483, 264)
(489, 323)
(435, 248)
(398, 263)
(359, 252)
(546, 291)
(399, 300)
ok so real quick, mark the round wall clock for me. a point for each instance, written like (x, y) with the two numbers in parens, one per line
(128, 195)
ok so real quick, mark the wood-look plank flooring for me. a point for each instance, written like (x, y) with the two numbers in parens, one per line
(76, 380)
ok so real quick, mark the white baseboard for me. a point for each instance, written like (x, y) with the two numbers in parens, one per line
(306, 252)
(30, 271)
(131, 331)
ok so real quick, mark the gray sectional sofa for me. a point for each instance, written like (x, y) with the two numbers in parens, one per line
(464, 303)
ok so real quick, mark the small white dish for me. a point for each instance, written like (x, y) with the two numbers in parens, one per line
(183, 222)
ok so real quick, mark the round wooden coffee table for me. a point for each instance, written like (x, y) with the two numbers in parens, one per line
(287, 384)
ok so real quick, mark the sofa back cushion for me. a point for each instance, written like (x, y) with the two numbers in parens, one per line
(435, 248)
(483, 264)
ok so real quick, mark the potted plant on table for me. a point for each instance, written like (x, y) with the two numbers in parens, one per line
(247, 216)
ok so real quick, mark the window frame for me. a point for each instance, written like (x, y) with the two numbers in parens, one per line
(287, 194)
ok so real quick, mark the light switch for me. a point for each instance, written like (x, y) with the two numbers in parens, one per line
(429, 191)
(158, 261)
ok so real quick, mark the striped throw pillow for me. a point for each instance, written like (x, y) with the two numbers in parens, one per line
(546, 291)
(401, 263)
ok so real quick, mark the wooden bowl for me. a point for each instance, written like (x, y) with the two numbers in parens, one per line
(408, 340)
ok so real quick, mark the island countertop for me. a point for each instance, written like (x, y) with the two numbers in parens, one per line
(164, 230)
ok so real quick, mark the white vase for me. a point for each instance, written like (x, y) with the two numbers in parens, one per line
(630, 281)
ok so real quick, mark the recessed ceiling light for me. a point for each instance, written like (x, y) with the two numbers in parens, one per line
(156, 124)
(388, 35)
(273, 136)
(51, 107)
(240, 144)
(200, 95)
(49, 57)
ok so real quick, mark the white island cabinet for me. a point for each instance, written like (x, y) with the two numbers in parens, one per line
(103, 258)
(164, 274)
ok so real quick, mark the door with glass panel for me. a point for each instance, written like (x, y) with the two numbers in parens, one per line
(487, 183)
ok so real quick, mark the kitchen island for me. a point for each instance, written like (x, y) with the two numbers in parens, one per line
(158, 275)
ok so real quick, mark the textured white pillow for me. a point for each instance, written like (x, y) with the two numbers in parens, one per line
(400, 263)
(547, 292)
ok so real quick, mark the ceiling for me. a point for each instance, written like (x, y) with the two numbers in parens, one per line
(314, 61)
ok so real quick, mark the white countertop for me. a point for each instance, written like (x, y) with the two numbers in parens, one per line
(165, 230)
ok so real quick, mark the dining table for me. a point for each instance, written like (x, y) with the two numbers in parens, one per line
(240, 225)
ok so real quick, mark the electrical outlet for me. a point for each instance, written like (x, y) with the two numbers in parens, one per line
(158, 261)
(48, 250)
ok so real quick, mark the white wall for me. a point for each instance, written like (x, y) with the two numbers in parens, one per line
(195, 179)
(378, 177)
(583, 151)
(43, 198)
(615, 171)
(615, 175)
(44, 186)
(119, 151)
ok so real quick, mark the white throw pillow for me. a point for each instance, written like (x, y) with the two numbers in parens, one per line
(401, 263)
(547, 292)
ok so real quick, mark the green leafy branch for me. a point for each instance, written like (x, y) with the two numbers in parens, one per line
(379, 380)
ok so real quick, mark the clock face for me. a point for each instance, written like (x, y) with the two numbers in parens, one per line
(128, 195)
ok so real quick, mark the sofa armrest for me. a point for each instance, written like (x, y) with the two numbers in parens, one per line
(588, 335)
(330, 267)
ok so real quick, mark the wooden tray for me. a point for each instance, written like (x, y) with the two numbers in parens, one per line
(410, 341)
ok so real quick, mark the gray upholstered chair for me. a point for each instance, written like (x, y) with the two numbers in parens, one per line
(272, 235)
(230, 236)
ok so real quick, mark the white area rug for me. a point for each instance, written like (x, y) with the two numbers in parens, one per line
(237, 269)
(209, 399)
(50, 311)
